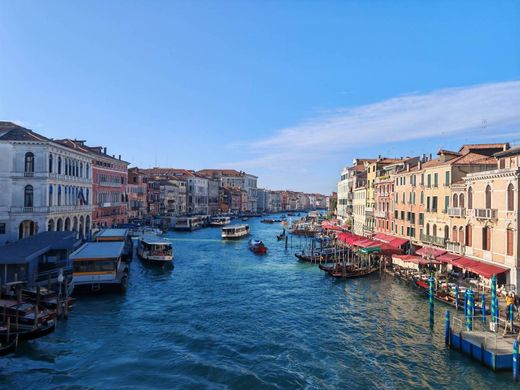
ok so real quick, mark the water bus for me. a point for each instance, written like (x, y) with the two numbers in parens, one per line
(155, 250)
(220, 221)
(190, 223)
(118, 235)
(235, 232)
(99, 267)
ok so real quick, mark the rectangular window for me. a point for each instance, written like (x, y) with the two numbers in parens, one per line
(434, 204)
(402, 215)
(429, 181)
(422, 179)
(435, 179)
(446, 203)
(2, 228)
(510, 242)
(396, 214)
(428, 203)
(447, 179)
(421, 219)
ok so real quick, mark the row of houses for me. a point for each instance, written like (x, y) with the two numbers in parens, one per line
(465, 202)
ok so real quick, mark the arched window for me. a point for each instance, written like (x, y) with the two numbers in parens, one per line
(427, 229)
(50, 195)
(454, 236)
(28, 196)
(509, 239)
(446, 232)
(87, 197)
(422, 197)
(59, 195)
(77, 168)
(455, 200)
(488, 197)
(470, 198)
(29, 162)
(461, 200)
(461, 235)
(510, 198)
(50, 162)
(469, 235)
(434, 230)
(486, 238)
(59, 165)
(87, 167)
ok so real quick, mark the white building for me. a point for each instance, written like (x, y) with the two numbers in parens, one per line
(45, 186)
(197, 195)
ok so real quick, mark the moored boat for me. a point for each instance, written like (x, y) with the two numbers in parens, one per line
(189, 223)
(99, 268)
(155, 250)
(257, 246)
(235, 232)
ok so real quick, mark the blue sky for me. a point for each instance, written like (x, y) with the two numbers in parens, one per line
(288, 90)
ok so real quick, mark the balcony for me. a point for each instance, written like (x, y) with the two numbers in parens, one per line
(433, 240)
(487, 214)
(51, 209)
(381, 214)
(457, 212)
(455, 247)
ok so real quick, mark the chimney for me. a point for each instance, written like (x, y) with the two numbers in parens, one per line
(105, 150)
(430, 157)
(419, 164)
(120, 157)
(423, 158)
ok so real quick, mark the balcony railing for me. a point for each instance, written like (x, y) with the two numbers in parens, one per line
(51, 209)
(455, 247)
(485, 213)
(457, 212)
(437, 241)
(381, 214)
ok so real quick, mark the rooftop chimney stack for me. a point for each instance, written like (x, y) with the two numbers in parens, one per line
(105, 150)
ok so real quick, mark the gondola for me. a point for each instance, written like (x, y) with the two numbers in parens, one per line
(8, 347)
(26, 333)
(348, 272)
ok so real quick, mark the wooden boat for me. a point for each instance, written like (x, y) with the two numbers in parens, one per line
(47, 298)
(25, 314)
(349, 271)
(99, 268)
(235, 232)
(9, 346)
(155, 250)
(281, 236)
(27, 332)
(257, 247)
(268, 221)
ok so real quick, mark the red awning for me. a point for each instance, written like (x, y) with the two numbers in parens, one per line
(427, 251)
(448, 258)
(349, 238)
(329, 226)
(363, 242)
(414, 259)
(478, 267)
(396, 242)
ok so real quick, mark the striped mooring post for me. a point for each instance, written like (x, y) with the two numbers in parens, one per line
(431, 292)
(493, 298)
(483, 310)
(447, 326)
(466, 303)
(457, 297)
(469, 311)
(515, 360)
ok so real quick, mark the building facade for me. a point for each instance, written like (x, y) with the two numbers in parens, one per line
(46, 186)
(137, 194)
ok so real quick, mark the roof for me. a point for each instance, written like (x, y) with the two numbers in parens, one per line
(487, 149)
(510, 152)
(98, 250)
(112, 233)
(22, 251)
(154, 240)
(10, 131)
(92, 150)
(168, 172)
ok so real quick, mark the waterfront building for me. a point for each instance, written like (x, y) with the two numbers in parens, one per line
(359, 192)
(491, 209)
(263, 200)
(137, 194)
(346, 190)
(213, 196)
(236, 179)
(373, 169)
(45, 185)
(275, 202)
(438, 174)
(109, 184)
(231, 200)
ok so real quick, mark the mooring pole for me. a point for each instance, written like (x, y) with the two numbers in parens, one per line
(469, 310)
(431, 293)
(515, 360)
(447, 327)
(457, 297)
(483, 301)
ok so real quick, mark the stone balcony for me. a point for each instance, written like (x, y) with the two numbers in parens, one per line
(381, 214)
(455, 247)
(486, 214)
(52, 209)
(457, 212)
(433, 240)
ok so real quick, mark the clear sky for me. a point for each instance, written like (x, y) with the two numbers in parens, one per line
(288, 90)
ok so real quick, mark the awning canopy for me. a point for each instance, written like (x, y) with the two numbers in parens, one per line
(427, 251)
(330, 226)
(349, 238)
(478, 267)
(448, 258)
(398, 259)
(396, 242)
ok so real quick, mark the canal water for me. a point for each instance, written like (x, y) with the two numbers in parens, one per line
(224, 317)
